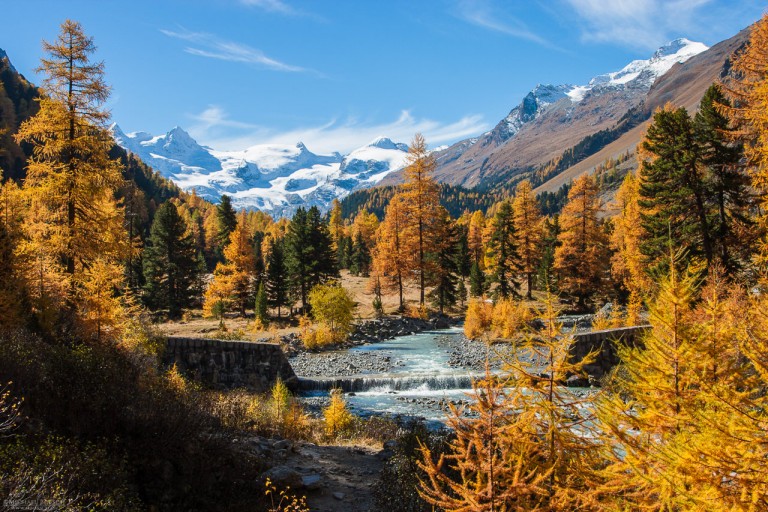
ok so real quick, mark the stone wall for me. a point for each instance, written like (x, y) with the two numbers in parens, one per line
(604, 342)
(230, 364)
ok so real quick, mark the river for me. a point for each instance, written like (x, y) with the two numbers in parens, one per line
(420, 384)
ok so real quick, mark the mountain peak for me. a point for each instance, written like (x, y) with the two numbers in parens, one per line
(679, 45)
(382, 142)
(4, 56)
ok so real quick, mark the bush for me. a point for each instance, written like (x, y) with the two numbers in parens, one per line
(153, 425)
(399, 478)
(509, 317)
(421, 312)
(478, 319)
(338, 419)
(332, 306)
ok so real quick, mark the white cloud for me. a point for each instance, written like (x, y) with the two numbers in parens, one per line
(643, 24)
(276, 6)
(480, 13)
(214, 128)
(208, 45)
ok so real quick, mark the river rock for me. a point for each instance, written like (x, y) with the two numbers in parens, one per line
(312, 482)
(284, 476)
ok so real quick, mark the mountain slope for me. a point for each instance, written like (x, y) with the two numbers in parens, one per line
(553, 118)
(683, 85)
(274, 178)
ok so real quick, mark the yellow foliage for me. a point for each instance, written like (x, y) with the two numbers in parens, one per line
(332, 306)
(287, 502)
(337, 417)
(528, 233)
(509, 317)
(478, 318)
(581, 259)
(176, 381)
(520, 446)
(419, 311)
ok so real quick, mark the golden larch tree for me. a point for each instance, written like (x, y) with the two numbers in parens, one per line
(391, 260)
(628, 263)
(581, 259)
(233, 279)
(475, 238)
(747, 90)
(528, 231)
(421, 198)
(70, 175)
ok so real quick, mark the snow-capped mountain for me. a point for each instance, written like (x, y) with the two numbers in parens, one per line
(274, 178)
(638, 75)
(552, 118)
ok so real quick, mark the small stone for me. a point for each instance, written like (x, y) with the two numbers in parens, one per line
(339, 495)
(312, 482)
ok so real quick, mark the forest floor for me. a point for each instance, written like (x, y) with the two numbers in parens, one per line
(195, 324)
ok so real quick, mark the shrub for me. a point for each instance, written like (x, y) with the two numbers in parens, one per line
(478, 319)
(399, 478)
(421, 312)
(338, 419)
(509, 317)
(332, 306)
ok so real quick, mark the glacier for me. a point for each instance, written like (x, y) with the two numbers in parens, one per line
(277, 179)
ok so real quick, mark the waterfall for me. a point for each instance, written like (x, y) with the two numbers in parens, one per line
(384, 383)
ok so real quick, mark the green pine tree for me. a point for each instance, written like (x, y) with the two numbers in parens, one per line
(673, 193)
(226, 220)
(171, 264)
(360, 258)
(260, 305)
(727, 186)
(503, 251)
(276, 277)
(477, 285)
(309, 253)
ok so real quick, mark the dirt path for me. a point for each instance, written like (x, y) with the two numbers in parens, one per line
(348, 476)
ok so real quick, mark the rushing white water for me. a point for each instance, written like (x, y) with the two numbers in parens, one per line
(422, 384)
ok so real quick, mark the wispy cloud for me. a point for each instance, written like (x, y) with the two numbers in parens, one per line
(643, 24)
(210, 46)
(480, 13)
(216, 129)
(276, 6)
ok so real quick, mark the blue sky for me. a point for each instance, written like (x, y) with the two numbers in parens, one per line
(337, 73)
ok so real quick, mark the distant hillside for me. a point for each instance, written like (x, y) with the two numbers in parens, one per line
(17, 103)
(684, 85)
(559, 132)
(455, 199)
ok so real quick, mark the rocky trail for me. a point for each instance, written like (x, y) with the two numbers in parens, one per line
(333, 478)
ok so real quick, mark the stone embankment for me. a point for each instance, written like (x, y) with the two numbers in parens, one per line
(230, 364)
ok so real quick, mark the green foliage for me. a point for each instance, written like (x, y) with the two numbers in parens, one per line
(443, 264)
(260, 305)
(477, 286)
(276, 277)
(170, 263)
(333, 306)
(455, 199)
(226, 222)
(310, 259)
(360, 258)
(502, 248)
(398, 480)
